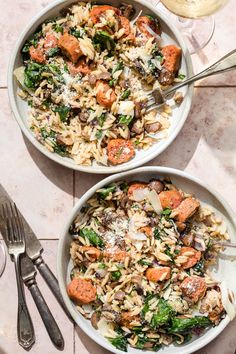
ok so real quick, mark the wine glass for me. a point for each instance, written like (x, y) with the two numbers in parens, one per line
(2, 258)
(195, 20)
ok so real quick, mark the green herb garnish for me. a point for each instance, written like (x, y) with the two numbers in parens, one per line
(104, 40)
(166, 212)
(77, 33)
(184, 325)
(119, 342)
(101, 119)
(125, 94)
(92, 236)
(181, 76)
(98, 134)
(103, 193)
(144, 262)
(163, 315)
(126, 120)
(32, 74)
(57, 28)
(115, 275)
(63, 112)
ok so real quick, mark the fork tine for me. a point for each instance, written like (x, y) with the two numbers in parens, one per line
(18, 223)
(15, 223)
(8, 224)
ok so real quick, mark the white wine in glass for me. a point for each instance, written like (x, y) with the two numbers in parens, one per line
(195, 20)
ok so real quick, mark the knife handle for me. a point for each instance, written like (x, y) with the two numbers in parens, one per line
(46, 315)
(52, 283)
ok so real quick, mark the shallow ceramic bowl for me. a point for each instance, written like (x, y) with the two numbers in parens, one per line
(225, 270)
(20, 107)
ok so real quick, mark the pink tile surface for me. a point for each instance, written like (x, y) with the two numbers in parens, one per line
(42, 189)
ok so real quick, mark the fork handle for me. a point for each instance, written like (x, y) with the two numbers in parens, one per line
(46, 315)
(25, 329)
(226, 63)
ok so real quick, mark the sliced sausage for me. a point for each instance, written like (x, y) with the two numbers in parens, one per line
(144, 21)
(105, 95)
(193, 288)
(172, 56)
(124, 23)
(92, 252)
(186, 209)
(50, 41)
(170, 199)
(81, 67)
(97, 11)
(134, 187)
(120, 151)
(70, 47)
(193, 256)
(158, 274)
(37, 54)
(116, 254)
(81, 291)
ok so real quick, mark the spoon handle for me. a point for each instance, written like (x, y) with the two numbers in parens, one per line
(226, 63)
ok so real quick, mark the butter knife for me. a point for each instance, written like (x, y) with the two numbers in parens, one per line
(28, 273)
(34, 250)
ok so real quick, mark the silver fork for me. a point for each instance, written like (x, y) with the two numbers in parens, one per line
(13, 236)
(157, 97)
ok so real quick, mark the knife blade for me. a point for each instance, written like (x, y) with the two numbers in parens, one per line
(34, 250)
(28, 273)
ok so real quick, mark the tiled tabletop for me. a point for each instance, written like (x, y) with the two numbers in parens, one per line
(45, 192)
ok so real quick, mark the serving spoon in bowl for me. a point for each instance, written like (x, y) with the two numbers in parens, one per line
(158, 97)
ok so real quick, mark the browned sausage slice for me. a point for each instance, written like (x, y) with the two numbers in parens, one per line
(105, 95)
(172, 56)
(193, 288)
(120, 151)
(50, 41)
(144, 21)
(70, 47)
(97, 11)
(81, 291)
(158, 274)
(37, 54)
(193, 256)
(81, 67)
(186, 209)
(170, 199)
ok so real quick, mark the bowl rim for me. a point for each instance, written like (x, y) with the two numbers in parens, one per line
(195, 345)
(69, 163)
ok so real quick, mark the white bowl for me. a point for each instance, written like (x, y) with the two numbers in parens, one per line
(20, 108)
(225, 269)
